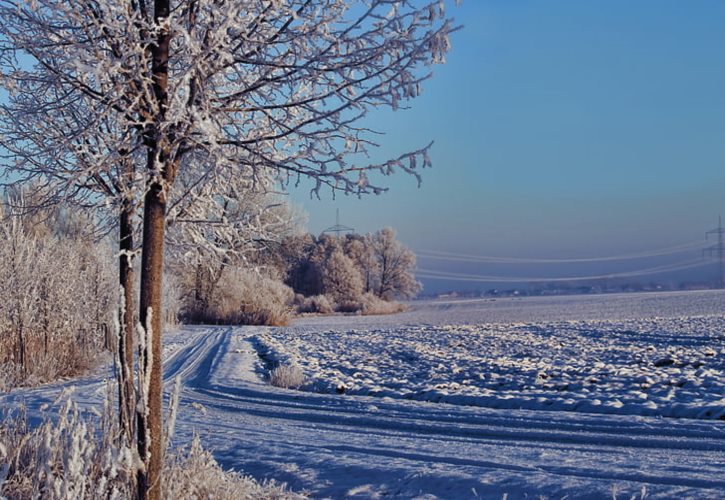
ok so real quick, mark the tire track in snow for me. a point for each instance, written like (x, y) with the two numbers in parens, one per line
(188, 360)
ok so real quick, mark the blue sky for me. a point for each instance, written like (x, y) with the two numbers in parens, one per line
(562, 129)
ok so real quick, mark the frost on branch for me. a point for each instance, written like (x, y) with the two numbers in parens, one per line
(253, 85)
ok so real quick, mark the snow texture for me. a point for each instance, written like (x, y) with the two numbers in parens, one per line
(670, 367)
(482, 446)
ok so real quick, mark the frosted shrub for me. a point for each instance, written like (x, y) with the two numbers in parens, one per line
(287, 377)
(56, 300)
(372, 304)
(73, 458)
(63, 459)
(11, 375)
(247, 298)
(367, 304)
(316, 304)
(348, 306)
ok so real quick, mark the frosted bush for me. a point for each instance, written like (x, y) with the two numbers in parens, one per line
(245, 297)
(316, 304)
(11, 375)
(56, 301)
(66, 458)
(348, 306)
(372, 304)
(367, 304)
(287, 377)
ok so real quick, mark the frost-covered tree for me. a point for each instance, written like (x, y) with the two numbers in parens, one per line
(360, 249)
(341, 280)
(337, 275)
(350, 271)
(61, 147)
(223, 226)
(274, 85)
(396, 264)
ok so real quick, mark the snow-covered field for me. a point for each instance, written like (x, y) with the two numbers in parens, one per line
(671, 367)
(507, 373)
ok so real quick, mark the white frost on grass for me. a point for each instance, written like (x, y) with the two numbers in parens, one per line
(287, 377)
(672, 367)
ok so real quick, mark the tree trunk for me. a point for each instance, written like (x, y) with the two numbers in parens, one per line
(150, 430)
(126, 392)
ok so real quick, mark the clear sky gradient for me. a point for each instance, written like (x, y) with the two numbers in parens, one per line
(562, 129)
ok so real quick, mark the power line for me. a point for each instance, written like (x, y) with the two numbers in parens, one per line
(718, 249)
(459, 257)
(440, 275)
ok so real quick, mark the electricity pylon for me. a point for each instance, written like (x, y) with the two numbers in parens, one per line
(718, 249)
(338, 229)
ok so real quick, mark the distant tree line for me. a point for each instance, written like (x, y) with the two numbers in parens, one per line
(348, 267)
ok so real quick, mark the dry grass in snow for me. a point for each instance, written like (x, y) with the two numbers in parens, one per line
(79, 458)
(287, 376)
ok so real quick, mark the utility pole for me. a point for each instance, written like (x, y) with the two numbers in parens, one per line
(338, 229)
(718, 249)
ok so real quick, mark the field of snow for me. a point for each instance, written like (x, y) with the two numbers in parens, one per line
(671, 367)
(510, 367)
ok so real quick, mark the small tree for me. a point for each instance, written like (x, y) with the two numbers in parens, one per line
(395, 267)
(341, 280)
(360, 249)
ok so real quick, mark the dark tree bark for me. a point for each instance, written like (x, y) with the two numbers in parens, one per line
(150, 428)
(161, 173)
(126, 392)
